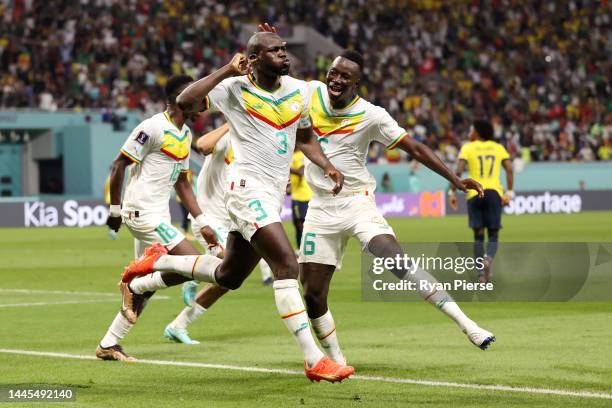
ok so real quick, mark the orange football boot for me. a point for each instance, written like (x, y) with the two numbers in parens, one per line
(328, 370)
(144, 264)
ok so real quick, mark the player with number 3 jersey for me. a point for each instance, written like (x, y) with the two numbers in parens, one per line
(268, 113)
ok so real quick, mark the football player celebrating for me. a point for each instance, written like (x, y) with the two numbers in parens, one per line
(346, 125)
(210, 190)
(157, 154)
(268, 113)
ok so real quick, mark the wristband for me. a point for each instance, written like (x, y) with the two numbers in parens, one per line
(114, 210)
(201, 220)
(510, 193)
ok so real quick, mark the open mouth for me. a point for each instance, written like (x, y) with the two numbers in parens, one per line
(335, 90)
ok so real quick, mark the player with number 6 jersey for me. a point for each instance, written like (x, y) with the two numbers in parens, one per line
(346, 124)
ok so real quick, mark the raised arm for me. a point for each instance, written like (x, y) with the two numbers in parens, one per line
(192, 97)
(308, 143)
(206, 144)
(116, 185)
(425, 155)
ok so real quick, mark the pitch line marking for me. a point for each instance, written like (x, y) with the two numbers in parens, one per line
(68, 292)
(526, 390)
(68, 302)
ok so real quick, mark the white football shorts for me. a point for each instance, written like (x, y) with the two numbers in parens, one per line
(331, 221)
(253, 203)
(148, 229)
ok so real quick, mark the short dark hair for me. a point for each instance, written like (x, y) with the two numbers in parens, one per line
(174, 85)
(354, 56)
(254, 43)
(483, 128)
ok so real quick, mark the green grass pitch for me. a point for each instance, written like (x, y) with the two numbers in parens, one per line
(561, 346)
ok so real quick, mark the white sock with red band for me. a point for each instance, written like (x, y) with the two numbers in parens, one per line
(325, 329)
(197, 267)
(291, 309)
(118, 329)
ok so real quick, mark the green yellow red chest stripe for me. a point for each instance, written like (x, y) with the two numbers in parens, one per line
(278, 113)
(326, 123)
(174, 144)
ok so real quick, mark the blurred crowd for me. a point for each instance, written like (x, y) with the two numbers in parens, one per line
(539, 70)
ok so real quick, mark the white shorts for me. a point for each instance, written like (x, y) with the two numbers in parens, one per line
(331, 221)
(151, 228)
(253, 203)
(221, 229)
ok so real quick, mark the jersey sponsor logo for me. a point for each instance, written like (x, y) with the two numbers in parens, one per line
(175, 146)
(278, 113)
(325, 123)
(142, 138)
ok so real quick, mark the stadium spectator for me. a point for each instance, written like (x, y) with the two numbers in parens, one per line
(539, 70)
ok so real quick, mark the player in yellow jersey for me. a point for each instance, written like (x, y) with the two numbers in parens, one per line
(484, 159)
(300, 194)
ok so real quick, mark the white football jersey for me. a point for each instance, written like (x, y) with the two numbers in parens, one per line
(263, 124)
(160, 152)
(212, 180)
(345, 135)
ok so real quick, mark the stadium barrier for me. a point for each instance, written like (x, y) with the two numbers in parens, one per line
(84, 213)
(551, 202)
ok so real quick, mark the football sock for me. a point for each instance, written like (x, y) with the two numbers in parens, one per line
(147, 283)
(266, 271)
(492, 244)
(117, 330)
(452, 310)
(442, 300)
(291, 309)
(325, 329)
(187, 316)
(197, 267)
